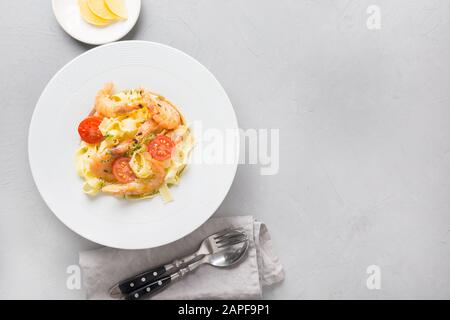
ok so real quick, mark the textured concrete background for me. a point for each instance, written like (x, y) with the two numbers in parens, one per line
(364, 130)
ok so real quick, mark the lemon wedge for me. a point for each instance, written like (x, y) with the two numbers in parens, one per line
(89, 17)
(117, 7)
(99, 8)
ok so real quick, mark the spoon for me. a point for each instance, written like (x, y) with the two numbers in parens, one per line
(225, 258)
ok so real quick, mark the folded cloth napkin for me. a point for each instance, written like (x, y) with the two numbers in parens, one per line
(102, 268)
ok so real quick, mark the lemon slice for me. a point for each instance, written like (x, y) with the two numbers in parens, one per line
(117, 7)
(89, 17)
(99, 8)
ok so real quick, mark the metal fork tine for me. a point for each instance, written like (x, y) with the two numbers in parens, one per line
(229, 235)
(221, 233)
(227, 231)
(232, 237)
(231, 243)
(243, 236)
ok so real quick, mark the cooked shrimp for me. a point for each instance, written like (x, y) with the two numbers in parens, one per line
(148, 127)
(121, 148)
(140, 186)
(108, 107)
(177, 134)
(101, 166)
(165, 114)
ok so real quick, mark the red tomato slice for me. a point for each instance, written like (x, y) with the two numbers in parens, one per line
(89, 131)
(161, 147)
(122, 171)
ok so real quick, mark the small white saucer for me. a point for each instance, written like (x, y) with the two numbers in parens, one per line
(68, 15)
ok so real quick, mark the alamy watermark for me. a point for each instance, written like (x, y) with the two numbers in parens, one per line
(374, 19)
(73, 281)
(373, 282)
(229, 146)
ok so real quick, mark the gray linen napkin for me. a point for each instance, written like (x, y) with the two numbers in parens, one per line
(101, 268)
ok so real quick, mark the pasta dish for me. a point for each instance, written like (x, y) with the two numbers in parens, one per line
(134, 144)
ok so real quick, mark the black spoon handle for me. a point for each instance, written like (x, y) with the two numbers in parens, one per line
(142, 279)
(150, 289)
(149, 276)
(162, 283)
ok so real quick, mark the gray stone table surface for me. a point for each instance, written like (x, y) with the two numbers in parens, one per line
(364, 149)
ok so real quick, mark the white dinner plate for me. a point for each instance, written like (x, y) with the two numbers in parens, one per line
(67, 14)
(53, 140)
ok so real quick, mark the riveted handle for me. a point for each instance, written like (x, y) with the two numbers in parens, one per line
(150, 289)
(141, 280)
(163, 283)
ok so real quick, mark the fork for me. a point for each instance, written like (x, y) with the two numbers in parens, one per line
(225, 258)
(210, 245)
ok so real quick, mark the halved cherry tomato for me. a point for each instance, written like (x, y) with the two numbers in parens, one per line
(122, 171)
(89, 131)
(161, 147)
